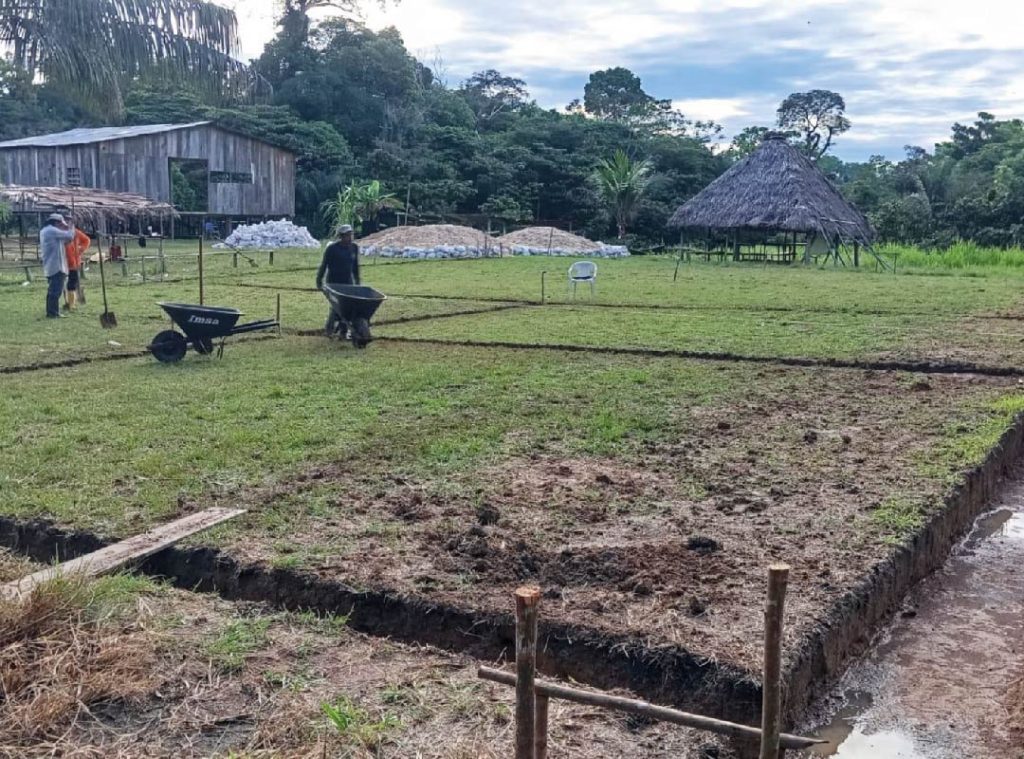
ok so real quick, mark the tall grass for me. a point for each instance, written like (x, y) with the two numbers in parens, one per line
(961, 255)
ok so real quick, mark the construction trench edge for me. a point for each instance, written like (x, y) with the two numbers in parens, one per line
(668, 675)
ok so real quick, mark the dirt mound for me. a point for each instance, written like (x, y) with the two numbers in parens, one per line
(542, 238)
(427, 237)
(541, 241)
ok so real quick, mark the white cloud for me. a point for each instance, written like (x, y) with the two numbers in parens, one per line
(908, 68)
(714, 109)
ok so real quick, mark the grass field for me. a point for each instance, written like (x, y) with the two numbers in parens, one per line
(645, 493)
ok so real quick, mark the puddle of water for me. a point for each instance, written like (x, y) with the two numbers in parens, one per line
(891, 745)
(1003, 523)
(931, 687)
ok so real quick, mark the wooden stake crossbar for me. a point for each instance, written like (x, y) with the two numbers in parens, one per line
(635, 706)
(113, 556)
(533, 695)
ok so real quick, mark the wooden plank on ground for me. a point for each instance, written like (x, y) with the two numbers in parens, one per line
(117, 555)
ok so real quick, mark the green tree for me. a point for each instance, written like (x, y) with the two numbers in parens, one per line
(493, 96)
(622, 183)
(747, 141)
(94, 47)
(816, 116)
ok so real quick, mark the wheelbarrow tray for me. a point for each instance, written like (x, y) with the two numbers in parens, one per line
(351, 302)
(199, 322)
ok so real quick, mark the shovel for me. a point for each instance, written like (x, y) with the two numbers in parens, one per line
(107, 318)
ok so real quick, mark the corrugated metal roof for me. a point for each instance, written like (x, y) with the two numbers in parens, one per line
(100, 134)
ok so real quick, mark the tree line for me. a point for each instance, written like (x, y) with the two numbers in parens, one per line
(364, 115)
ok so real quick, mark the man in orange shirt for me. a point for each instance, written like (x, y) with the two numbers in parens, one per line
(74, 251)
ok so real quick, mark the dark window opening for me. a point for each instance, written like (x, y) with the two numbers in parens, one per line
(73, 176)
(190, 184)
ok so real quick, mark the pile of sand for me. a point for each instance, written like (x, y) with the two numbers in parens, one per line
(548, 241)
(428, 241)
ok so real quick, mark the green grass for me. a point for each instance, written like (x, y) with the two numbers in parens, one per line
(897, 517)
(240, 638)
(803, 334)
(154, 435)
(356, 724)
(962, 257)
(648, 280)
(26, 337)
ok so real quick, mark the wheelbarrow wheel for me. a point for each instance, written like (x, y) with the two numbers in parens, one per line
(168, 347)
(203, 345)
(360, 333)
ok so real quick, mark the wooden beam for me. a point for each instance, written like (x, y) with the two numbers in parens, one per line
(634, 706)
(117, 555)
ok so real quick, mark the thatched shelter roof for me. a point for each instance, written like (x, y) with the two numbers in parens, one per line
(776, 189)
(91, 206)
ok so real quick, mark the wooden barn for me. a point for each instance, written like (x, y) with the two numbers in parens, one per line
(204, 170)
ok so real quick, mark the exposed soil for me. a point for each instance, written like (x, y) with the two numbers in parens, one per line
(670, 543)
(213, 678)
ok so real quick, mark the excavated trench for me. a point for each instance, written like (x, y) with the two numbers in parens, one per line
(666, 674)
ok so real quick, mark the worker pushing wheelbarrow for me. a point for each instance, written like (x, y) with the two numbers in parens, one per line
(352, 304)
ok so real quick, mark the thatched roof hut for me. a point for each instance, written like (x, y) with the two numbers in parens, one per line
(93, 208)
(776, 189)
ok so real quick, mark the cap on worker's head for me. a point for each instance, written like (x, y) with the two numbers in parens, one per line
(345, 229)
(55, 217)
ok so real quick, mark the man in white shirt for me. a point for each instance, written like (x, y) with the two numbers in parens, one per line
(56, 232)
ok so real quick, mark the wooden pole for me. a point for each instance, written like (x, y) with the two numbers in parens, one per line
(201, 291)
(540, 743)
(277, 314)
(771, 687)
(527, 600)
(643, 708)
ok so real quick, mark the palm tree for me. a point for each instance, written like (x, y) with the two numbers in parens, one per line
(622, 183)
(93, 47)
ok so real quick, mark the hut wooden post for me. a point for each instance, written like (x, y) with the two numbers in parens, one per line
(856, 253)
(527, 600)
(771, 687)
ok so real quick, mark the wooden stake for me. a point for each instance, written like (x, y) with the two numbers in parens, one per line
(643, 708)
(540, 743)
(771, 687)
(527, 600)
(278, 314)
(201, 292)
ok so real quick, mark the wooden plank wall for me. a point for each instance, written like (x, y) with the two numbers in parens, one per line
(140, 165)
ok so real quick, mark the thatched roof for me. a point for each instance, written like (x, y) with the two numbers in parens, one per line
(776, 188)
(90, 206)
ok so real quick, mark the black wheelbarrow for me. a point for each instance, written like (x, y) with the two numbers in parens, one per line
(354, 306)
(201, 325)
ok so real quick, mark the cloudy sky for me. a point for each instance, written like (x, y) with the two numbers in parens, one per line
(907, 68)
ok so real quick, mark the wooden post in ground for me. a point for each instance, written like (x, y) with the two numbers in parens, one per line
(201, 292)
(527, 600)
(771, 688)
(277, 314)
(540, 743)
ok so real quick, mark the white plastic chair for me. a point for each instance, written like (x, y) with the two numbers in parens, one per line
(583, 271)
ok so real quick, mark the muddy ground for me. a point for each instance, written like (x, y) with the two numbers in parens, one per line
(824, 470)
(944, 680)
(213, 678)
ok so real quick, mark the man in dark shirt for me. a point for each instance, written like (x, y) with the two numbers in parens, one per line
(341, 265)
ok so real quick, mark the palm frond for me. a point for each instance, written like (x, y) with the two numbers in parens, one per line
(98, 45)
